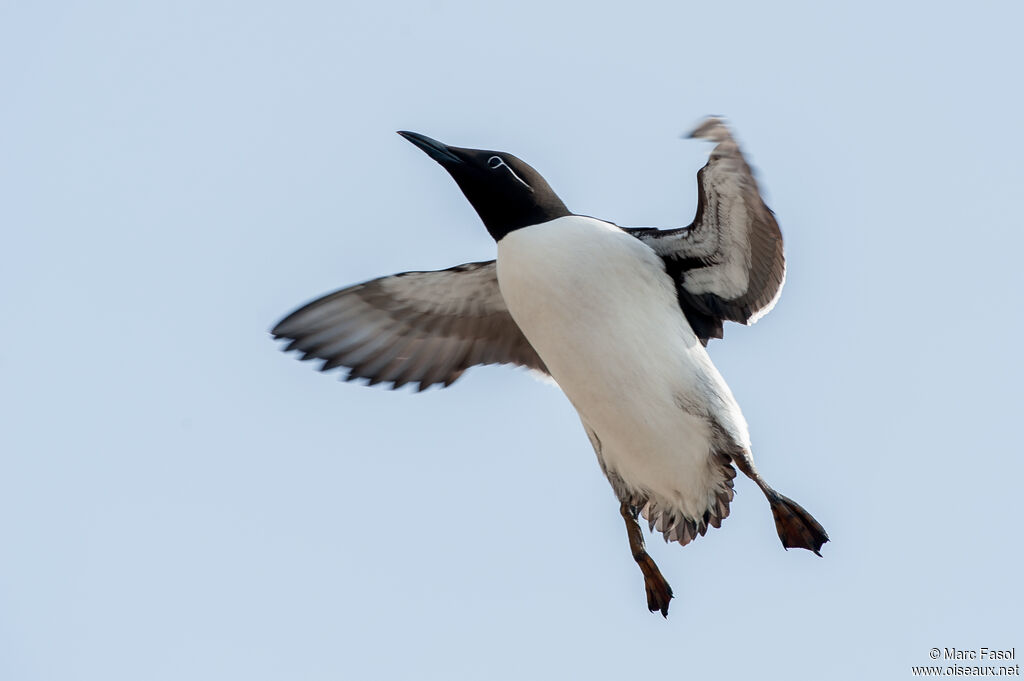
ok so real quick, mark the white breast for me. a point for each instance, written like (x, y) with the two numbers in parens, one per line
(599, 309)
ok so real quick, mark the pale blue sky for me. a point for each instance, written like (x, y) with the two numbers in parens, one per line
(179, 500)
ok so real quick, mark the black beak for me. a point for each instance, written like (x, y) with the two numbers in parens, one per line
(434, 149)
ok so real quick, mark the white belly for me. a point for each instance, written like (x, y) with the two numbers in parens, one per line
(599, 309)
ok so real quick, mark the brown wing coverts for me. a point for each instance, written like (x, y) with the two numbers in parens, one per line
(413, 327)
(729, 263)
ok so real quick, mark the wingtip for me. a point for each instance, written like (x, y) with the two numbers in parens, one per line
(281, 328)
(713, 128)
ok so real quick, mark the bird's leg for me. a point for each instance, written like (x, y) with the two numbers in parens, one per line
(796, 527)
(659, 593)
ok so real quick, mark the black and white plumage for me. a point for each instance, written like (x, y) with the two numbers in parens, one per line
(728, 263)
(618, 317)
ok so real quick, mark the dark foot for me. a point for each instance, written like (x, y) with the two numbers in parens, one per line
(796, 527)
(659, 593)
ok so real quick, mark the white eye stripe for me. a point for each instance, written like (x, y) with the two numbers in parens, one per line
(495, 162)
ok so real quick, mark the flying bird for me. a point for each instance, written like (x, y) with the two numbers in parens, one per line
(618, 317)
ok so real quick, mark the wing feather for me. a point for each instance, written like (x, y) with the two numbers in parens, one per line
(729, 263)
(415, 327)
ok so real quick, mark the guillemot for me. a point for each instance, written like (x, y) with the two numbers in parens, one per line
(618, 317)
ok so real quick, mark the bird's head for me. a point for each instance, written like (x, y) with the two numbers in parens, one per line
(506, 192)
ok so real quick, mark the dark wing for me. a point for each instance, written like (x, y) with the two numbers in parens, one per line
(728, 264)
(413, 327)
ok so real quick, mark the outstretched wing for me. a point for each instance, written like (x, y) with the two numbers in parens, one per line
(413, 327)
(729, 263)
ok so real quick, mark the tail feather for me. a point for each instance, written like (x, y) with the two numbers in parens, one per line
(796, 527)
